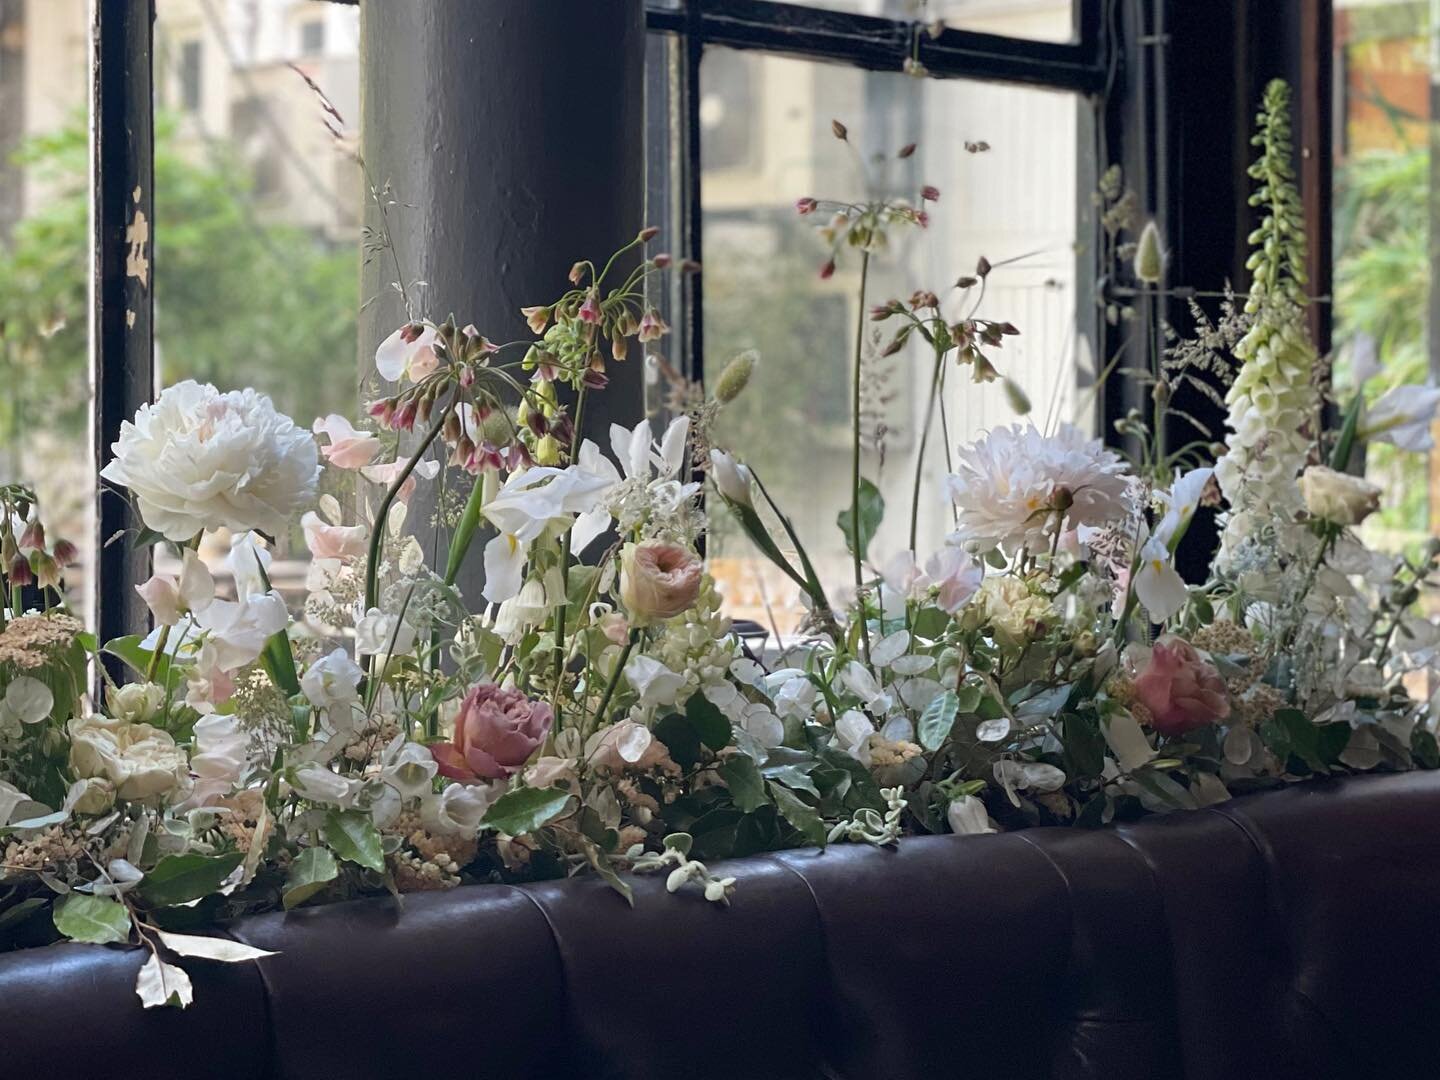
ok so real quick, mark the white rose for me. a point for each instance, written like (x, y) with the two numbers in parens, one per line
(135, 703)
(198, 459)
(1338, 497)
(142, 762)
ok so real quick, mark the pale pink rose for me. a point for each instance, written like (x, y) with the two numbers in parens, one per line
(496, 731)
(1182, 690)
(333, 541)
(348, 448)
(658, 579)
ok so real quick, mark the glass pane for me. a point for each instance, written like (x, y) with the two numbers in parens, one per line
(1036, 20)
(44, 270)
(767, 140)
(257, 209)
(1385, 192)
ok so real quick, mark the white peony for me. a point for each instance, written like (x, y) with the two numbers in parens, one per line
(1014, 487)
(198, 459)
(142, 762)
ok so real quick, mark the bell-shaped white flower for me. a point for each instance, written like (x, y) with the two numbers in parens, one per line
(1157, 584)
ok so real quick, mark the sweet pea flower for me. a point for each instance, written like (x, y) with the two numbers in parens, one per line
(348, 448)
(387, 474)
(1182, 690)
(344, 542)
(331, 681)
(409, 352)
(169, 599)
(956, 575)
(967, 817)
(658, 579)
(496, 732)
(1402, 417)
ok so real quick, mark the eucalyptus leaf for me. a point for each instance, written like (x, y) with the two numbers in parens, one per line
(938, 719)
(210, 948)
(160, 983)
(97, 920)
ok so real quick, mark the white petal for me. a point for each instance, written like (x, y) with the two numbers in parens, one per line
(672, 446)
(28, 699)
(160, 983)
(504, 567)
(390, 356)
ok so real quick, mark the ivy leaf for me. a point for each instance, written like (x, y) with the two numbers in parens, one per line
(709, 722)
(799, 814)
(160, 983)
(938, 719)
(872, 511)
(353, 836)
(97, 920)
(747, 786)
(525, 810)
(178, 879)
(312, 870)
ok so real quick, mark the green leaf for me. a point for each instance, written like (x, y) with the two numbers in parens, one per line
(709, 722)
(938, 719)
(872, 511)
(1084, 744)
(799, 814)
(15, 915)
(747, 786)
(525, 809)
(1425, 748)
(178, 879)
(792, 776)
(680, 737)
(353, 836)
(930, 623)
(312, 870)
(137, 659)
(98, 920)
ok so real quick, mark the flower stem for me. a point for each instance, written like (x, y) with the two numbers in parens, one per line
(855, 547)
(615, 678)
(920, 453)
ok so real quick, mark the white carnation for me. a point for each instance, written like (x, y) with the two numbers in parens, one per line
(198, 459)
(1015, 486)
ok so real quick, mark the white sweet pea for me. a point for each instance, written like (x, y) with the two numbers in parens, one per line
(322, 785)
(238, 629)
(1158, 585)
(852, 731)
(331, 681)
(967, 817)
(655, 683)
(1402, 417)
(408, 352)
(731, 478)
(348, 448)
(1127, 740)
(1033, 775)
(169, 599)
(859, 681)
(955, 574)
(380, 632)
(792, 693)
(458, 810)
(249, 563)
(220, 758)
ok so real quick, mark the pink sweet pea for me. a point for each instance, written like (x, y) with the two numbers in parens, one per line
(1182, 690)
(348, 449)
(333, 541)
(496, 732)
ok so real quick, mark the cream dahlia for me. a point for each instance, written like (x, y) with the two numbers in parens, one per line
(1015, 487)
(198, 459)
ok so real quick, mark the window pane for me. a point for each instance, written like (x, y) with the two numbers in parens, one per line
(44, 269)
(1036, 20)
(257, 211)
(766, 140)
(1384, 208)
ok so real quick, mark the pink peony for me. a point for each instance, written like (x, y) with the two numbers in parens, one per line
(1182, 690)
(496, 731)
(658, 579)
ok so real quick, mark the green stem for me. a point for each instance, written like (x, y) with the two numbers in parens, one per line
(920, 453)
(615, 678)
(562, 615)
(855, 546)
(465, 529)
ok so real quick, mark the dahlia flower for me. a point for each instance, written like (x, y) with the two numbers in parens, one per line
(1015, 487)
(197, 459)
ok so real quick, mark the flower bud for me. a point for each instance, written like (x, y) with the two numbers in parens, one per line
(1018, 399)
(661, 261)
(33, 538)
(731, 478)
(736, 376)
(806, 205)
(930, 193)
(839, 130)
(648, 233)
(66, 554)
(906, 151)
(20, 572)
(1149, 256)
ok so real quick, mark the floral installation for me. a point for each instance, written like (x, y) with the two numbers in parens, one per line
(591, 709)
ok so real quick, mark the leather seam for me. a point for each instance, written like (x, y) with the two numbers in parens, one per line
(567, 1002)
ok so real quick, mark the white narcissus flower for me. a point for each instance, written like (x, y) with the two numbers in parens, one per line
(1181, 502)
(967, 817)
(332, 680)
(197, 459)
(1402, 417)
(348, 448)
(142, 762)
(1157, 584)
(731, 478)
(408, 352)
(1338, 497)
(523, 509)
(1015, 486)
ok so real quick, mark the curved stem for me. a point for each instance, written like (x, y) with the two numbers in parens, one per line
(615, 678)
(920, 452)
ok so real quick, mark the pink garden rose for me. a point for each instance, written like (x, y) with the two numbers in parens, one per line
(1182, 690)
(658, 579)
(496, 731)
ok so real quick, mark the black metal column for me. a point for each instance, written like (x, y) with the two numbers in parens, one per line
(512, 135)
(123, 373)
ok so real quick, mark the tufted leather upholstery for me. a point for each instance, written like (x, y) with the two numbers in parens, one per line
(1283, 935)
